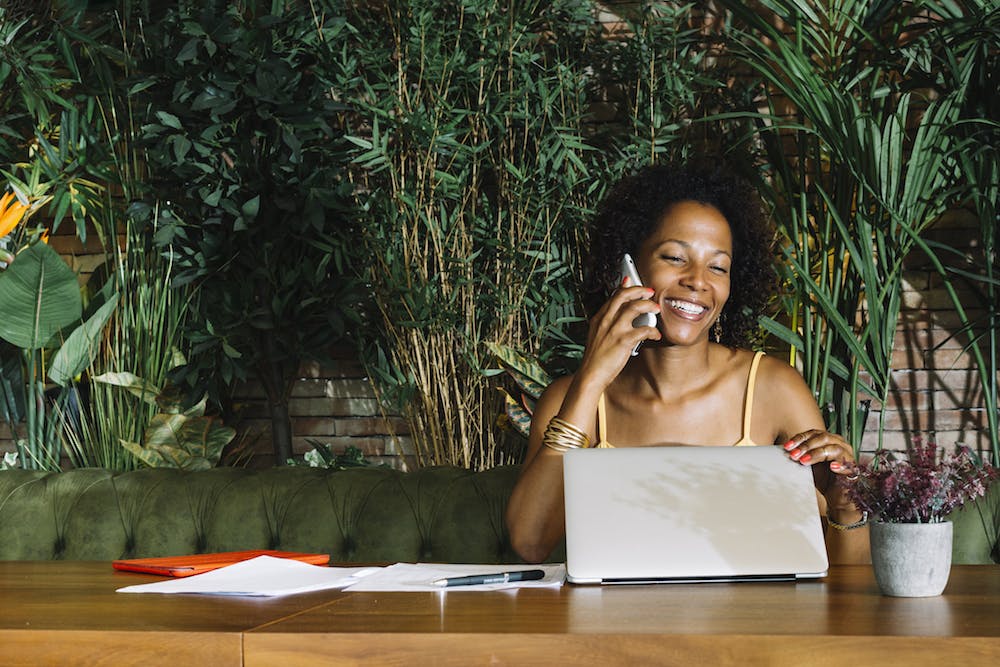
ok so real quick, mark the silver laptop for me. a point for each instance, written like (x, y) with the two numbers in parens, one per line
(690, 514)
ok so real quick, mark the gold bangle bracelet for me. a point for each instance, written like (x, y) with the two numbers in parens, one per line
(561, 436)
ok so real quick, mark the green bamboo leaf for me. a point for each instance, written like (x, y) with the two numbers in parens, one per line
(834, 319)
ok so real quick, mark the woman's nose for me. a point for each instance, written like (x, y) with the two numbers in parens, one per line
(694, 277)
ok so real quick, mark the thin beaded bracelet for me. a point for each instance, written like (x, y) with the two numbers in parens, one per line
(561, 436)
(849, 526)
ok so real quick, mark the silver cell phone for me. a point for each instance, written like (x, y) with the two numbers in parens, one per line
(629, 271)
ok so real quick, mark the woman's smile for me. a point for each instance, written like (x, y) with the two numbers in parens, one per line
(689, 310)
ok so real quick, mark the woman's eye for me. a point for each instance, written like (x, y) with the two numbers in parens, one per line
(720, 269)
(670, 258)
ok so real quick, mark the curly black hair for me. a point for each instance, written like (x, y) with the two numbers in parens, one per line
(637, 203)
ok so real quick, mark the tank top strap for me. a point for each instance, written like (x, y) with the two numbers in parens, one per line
(602, 423)
(748, 404)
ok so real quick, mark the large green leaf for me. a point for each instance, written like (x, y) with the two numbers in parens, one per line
(179, 441)
(39, 296)
(134, 384)
(81, 347)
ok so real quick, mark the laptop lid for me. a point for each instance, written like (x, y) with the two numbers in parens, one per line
(683, 514)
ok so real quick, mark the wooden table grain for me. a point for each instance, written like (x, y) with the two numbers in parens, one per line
(68, 613)
(840, 620)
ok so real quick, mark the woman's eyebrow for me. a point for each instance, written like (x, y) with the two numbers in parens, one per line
(687, 246)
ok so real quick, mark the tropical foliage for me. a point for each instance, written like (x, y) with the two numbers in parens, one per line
(471, 179)
(269, 177)
(39, 298)
(245, 154)
(531, 380)
(861, 102)
(176, 437)
(322, 456)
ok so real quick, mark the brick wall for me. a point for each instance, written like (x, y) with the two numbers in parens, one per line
(334, 404)
(935, 389)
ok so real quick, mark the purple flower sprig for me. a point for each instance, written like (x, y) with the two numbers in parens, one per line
(920, 487)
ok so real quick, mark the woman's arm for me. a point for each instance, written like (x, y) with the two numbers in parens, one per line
(535, 512)
(803, 435)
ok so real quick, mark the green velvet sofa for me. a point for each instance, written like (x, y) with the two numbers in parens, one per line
(362, 515)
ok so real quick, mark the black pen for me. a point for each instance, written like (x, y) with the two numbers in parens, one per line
(495, 578)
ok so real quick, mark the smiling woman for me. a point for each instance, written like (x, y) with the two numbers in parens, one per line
(632, 210)
(690, 255)
(701, 248)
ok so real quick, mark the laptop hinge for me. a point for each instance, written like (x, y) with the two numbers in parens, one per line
(704, 580)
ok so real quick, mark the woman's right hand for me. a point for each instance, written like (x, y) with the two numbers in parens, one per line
(611, 336)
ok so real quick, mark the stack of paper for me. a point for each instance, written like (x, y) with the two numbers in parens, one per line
(269, 576)
(264, 576)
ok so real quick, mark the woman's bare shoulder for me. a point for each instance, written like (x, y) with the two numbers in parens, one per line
(776, 377)
(776, 368)
(789, 397)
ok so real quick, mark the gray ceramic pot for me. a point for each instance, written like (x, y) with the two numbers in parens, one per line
(911, 559)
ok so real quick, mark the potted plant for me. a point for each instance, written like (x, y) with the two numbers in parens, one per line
(909, 498)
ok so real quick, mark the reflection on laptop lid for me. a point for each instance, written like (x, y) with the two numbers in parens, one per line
(686, 514)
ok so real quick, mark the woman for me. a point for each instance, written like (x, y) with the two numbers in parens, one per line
(702, 251)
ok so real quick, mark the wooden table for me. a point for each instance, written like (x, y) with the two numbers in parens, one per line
(68, 613)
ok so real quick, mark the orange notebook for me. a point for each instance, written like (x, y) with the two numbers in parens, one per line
(185, 566)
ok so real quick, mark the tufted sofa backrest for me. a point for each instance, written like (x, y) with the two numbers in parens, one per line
(361, 515)
(441, 514)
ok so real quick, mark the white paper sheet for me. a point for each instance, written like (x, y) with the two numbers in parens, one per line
(420, 577)
(260, 576)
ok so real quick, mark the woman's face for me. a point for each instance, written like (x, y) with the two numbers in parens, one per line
(687, 261)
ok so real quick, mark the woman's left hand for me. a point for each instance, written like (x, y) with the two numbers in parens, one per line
(816, 446)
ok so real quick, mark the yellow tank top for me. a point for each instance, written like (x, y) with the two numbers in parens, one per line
(745, 441)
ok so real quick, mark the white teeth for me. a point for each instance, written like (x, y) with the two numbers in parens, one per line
(687, 307)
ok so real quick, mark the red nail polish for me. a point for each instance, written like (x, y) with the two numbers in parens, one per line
(834, 465)
(789, 445)
(806, 459)
(796, 454)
